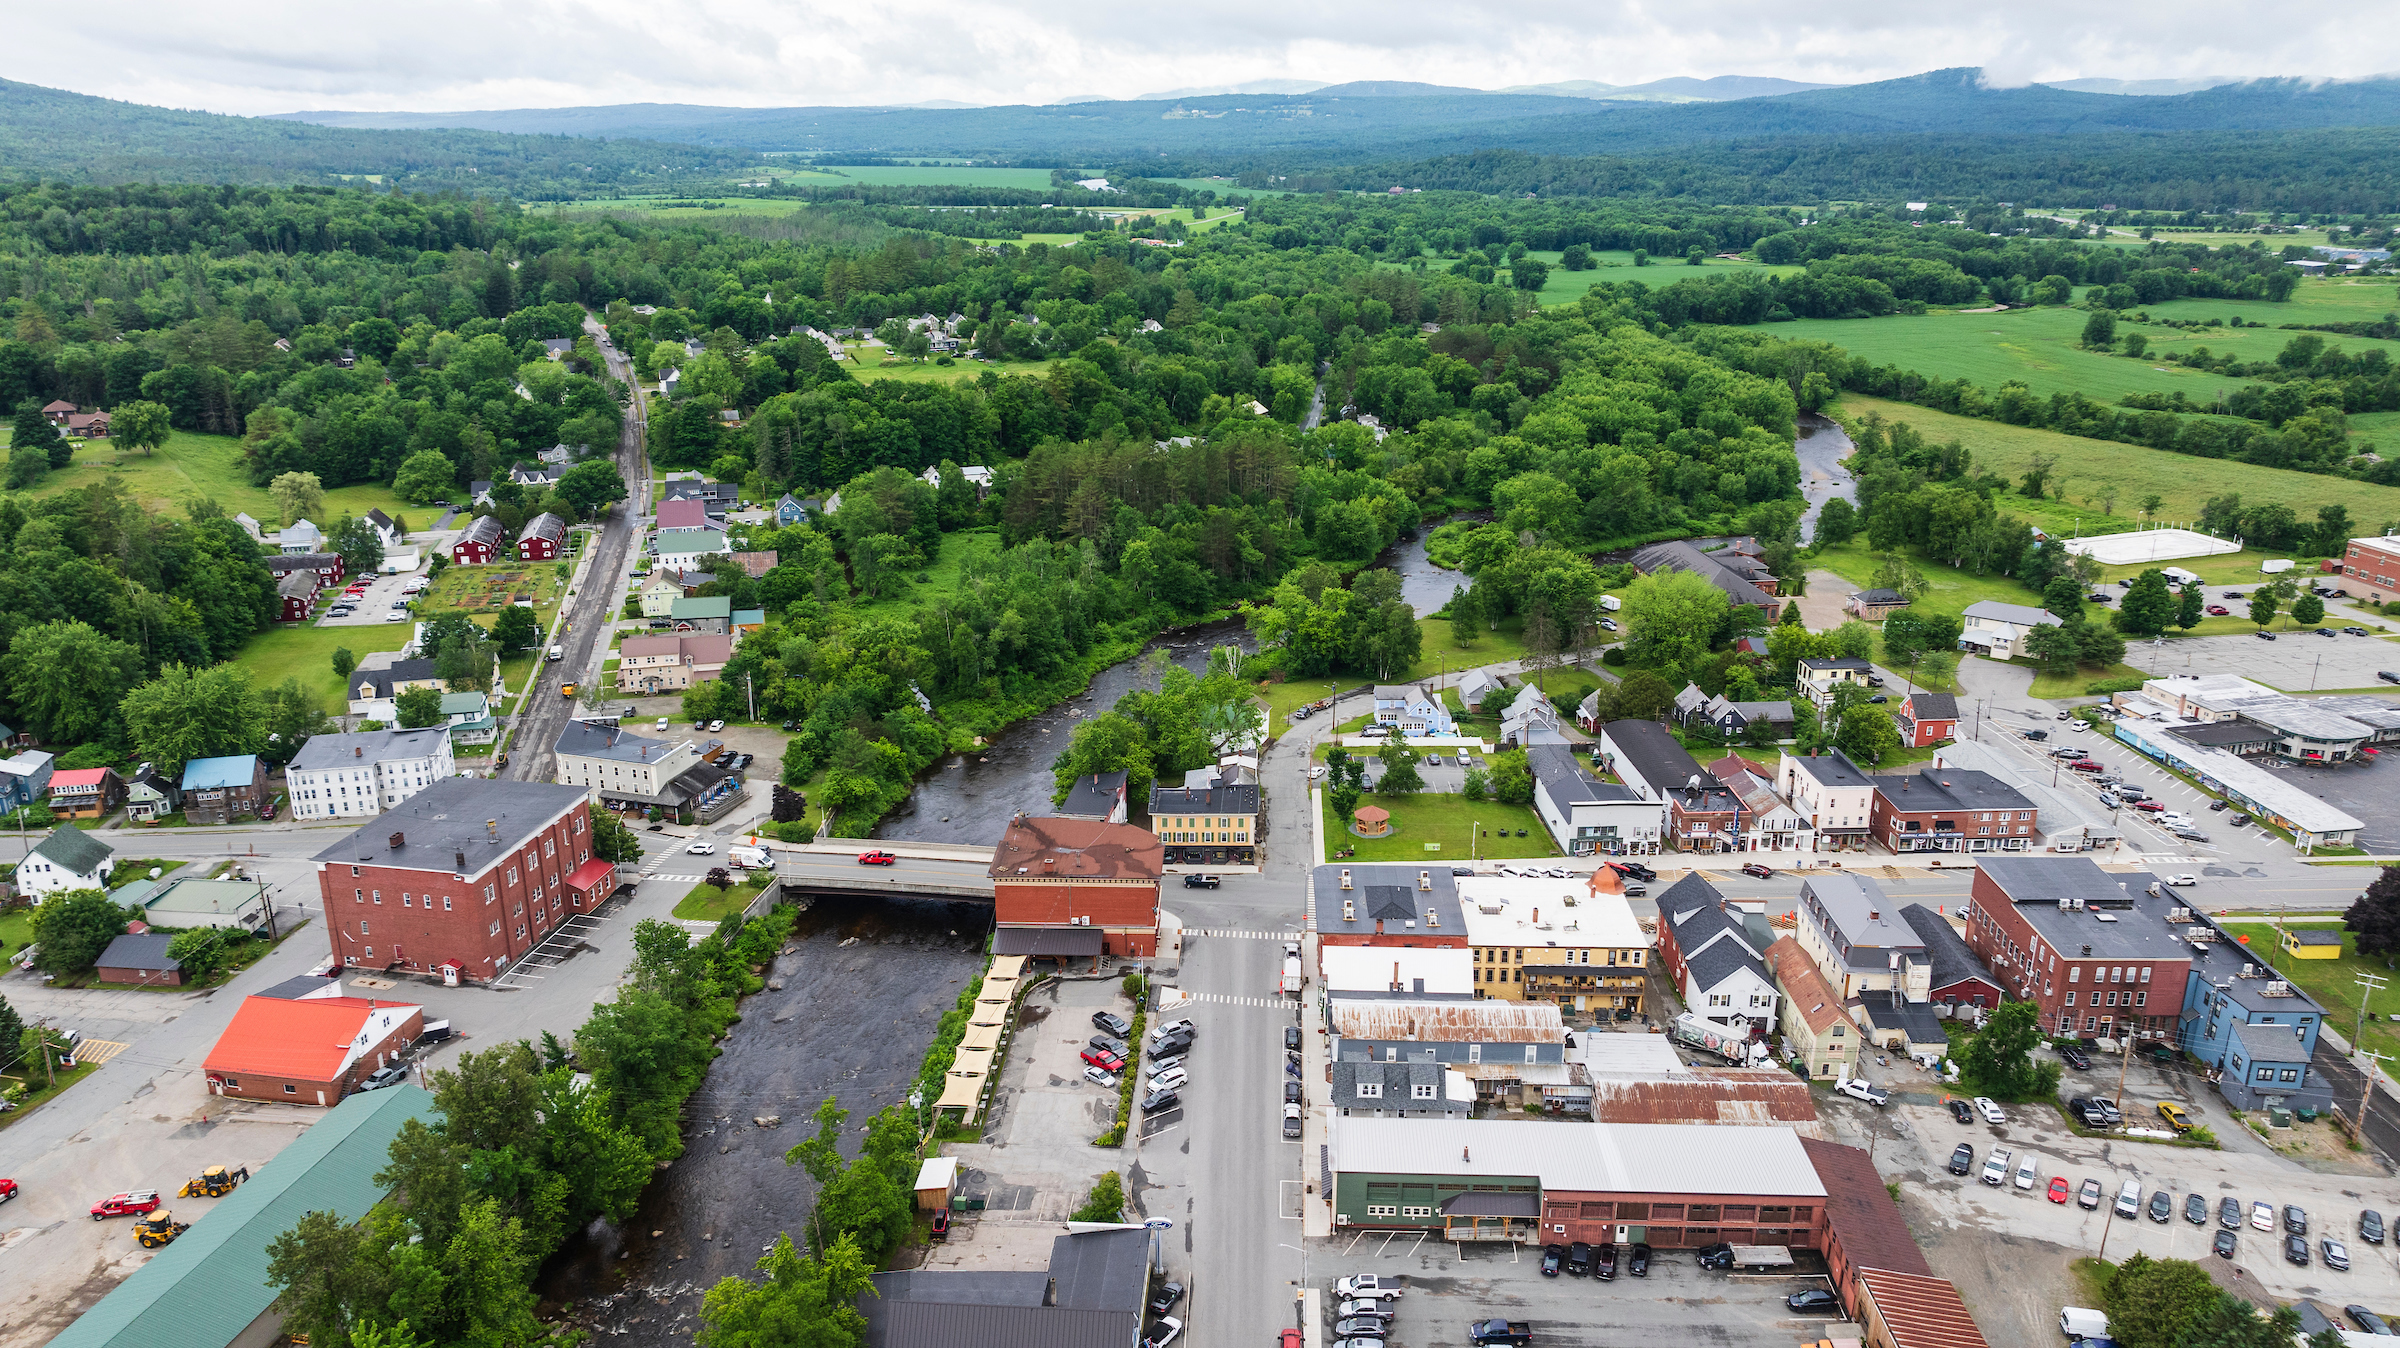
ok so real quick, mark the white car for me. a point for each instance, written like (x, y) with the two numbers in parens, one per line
(2181, 880)
(702, 849)
(1862, 1089)
(1365, 1287)
(1164, 1334)
(2080, 726)
(2175, 819)
(1174, 1078)
(1316, 771)
(2262, 1215)
(662, 722)
(396, 616)
(1990, 1111)
(2025, 1172)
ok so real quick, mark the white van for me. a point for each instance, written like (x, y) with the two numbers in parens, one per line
(1609, 603)
(2025, 1176)
(2129, 1204)
(2078, 1322)
(1995, 1167)
(558, 653)
(749, 858)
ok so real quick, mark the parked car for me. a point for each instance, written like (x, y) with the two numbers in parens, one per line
(2177, 1117)
(1960, 1112)
(2388, 675)
(1104, 1060)
(2184, 880)
(1817, 1299)
(1164, 1299)
(2265, 635)
(715, 726)
(2262, 1215)
(1174, 1079)
(2219, 611)
(1758, 872)
(1554, 1258)
(1579, 1259)
(2162, 1206)
(1962, 1159)
(1719, 1255)
(1605, 1261)
(2037, 736)
(2074, 1056)
(1361, 1327)
(384, 1076)
(2195, 1209)
(2088, 1197)
(2229, 1213)
(1107, 1043)
(2224, 1244)
(2335, 1254)
(1995, 1167)
(126, 1204)
(1291, 1038)
(2058, 1189)
(1638, 1262)
(1991, 1112)
(1163, 1333)
(2295, 1219)
(2087, 765)
(941, 1224)
(2367, 1320)
(1201, 882)
(2295, 1250)
(2370, 1227)
(1113, 1023)
(1291, 1120)
(1291, 1092)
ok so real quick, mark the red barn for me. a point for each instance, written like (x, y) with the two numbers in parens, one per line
(543, 538)
(1076, 887)
(461, 879)
(296, 597)
(1927, 719)
(479, 545)
(327, 566)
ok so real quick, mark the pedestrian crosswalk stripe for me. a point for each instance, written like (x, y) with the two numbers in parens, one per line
(1180, 997)
(1243, 934)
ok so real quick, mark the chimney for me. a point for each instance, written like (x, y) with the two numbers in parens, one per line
(399, 840)
(1537, 917)
(1424, 880)
(1379, 926)
(1433, 917)
(1349, 911)
(358, 751)
(1395, 975)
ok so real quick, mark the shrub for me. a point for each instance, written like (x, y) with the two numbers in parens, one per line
(1105, 1203)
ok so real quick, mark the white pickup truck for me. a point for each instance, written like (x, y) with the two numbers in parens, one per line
(1859, 1088)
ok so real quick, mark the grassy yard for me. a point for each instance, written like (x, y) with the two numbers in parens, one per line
(2333, 982)
(192, 465)
(707, 903)
(2089, 466)
(1434, 827)
(875, 362)
(139, 868)
(1439, 655)
(305, 651)
(942, 575)
(2037, 347)
(16, 931)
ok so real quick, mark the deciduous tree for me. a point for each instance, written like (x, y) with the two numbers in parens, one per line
(297, 496)
(139, 425)
(2374, 917)
(67, 679)
(72, 929)
(185, 714)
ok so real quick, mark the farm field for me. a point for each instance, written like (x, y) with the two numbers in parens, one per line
(920, 175)
(2091, 465)
(191, 465)
(2037, 347)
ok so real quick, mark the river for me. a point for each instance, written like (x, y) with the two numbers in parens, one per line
(863, 984)
(1822, 447)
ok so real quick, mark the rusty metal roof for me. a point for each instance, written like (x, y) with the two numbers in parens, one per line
(1804, 987)
(1488, 1022)
(1864, 1219)
(1921, 1311)
(1076, 849)
(1736, 1097)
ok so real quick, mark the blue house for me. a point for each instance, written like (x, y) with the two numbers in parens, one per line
(2243, 1021)
(24, 779)
(1412, 709)
(793, 510)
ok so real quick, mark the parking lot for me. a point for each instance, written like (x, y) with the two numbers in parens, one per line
(1037, 1160)
(2297, 661)
(383, 594)
(1679, 1303)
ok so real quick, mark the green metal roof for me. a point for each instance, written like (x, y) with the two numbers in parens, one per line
(211, 1284)
(713, 606)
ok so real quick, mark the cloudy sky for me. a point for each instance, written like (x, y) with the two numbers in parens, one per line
(259, 56)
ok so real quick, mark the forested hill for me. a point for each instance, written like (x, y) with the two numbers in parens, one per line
(67, 137)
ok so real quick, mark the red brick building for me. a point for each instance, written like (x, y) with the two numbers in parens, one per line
(1951, 809)
(1076, 887)
(2100, 957)
(1863, 1226)
(461, 879)
(2373, 566)
(310, 1051)
(1390, 905)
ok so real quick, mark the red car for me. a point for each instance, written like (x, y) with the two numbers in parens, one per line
(1104, 1060)
(877, 859)
(2219, 611)
(2151, 805)
(2088, 765)
(126, 1204)
(1759, 872)
(8, 1189)
(2058, 1189)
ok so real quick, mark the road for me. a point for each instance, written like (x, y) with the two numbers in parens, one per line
(590, 613)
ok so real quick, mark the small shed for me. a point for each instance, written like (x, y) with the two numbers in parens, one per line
(141, 961)
(2313, 943)
(937, 1178)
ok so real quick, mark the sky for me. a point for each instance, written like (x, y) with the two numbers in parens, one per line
(264, 56)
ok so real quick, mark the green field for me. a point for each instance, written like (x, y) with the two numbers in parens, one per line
(1448, 823)
(2334, 983)
(876, 362)
(1616, 265)
(2036, 347)
(305, 651)
(921, 175)
(941, 578)
(2092, 466)
(191, 465)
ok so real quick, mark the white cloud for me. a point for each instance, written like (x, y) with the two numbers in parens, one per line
(256, 56)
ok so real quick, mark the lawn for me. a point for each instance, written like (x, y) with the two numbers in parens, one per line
(1567, 287)
(942, 576)
(1441, 827)
(872, 366)
(191, 465)
(923, 175)
(37, 1093)
(16, 931)
(2334, 982)
(305, 651)
(138, 868)
(2089, 466)
(707, 903)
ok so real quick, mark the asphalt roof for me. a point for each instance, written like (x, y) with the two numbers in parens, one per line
(73, 850)
(1933, 706)
(1682, 556)
(1719, 960)
(1860, 1211)
(1953, 962)
(448, 818)
(1562, 775)
(2271, 1043)
(1389, 894)
(1862, 916)
(381, 681)
(1094, 794)
(2120, 919)
(1232, 799)
(1933, 788)
(1650, 753)
(361, 748)
(1101, 1270)
(1831, 768)
(146, 951)
(2021, 614)
(587, 739)
(211, 1283)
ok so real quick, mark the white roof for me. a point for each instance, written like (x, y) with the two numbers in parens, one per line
(1649, 1057)
(936, 1172)
(2286, 798)
(1696, 1158)
(1376, 968)
(1500, 911)
(1992, 610)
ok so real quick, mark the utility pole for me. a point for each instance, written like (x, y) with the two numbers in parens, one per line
(2366, 1088)
(2124, 1060)
(2369, 985)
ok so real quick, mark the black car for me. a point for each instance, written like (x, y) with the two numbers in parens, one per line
(2370, 1227)
(2195, 1209)
(1172, 1046)
(2162, 1206)
(1719, 1255)
(2224, 1244)
(1164, 1299)
(1638, 1263)
(1291, 1092)
(2295, 1219)
(2037, 736)
(1579, 1259)
(2074, 1056)
(1813, 1299)
(2367, 1320)
(1960, 1111)
(1201, 882)
(1635, 869)
(2265, 635)
(1160, 1099)
(1360, 1327)
(1108, 1042)
(2229, 1213)
(2295, 1250)
(1112, 1023)
(1604, 1261)
(1555, 1255)
(1291, 1039)
(1962, 1160)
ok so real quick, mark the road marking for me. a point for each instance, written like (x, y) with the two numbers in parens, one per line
(1179, 997)
(1240, 934)
(97, 1051)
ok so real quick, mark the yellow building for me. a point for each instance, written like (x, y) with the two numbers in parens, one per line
(2313, 943)
(1207, 827)
(1572, 942)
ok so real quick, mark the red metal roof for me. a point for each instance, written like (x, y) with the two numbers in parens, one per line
(303, 1040)
(78, 777)
(590, 874)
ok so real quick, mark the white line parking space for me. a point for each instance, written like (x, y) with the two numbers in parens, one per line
(551, 952)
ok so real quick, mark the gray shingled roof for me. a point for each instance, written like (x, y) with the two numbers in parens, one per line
(147, 951)
(363, 747)
(1953, 962)
(448, 818)
(1718, 961)
(587, 739)
(73, 850)
(1201, 800)
(1094, 794)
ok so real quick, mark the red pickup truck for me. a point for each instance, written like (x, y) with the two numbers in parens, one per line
(877, 859)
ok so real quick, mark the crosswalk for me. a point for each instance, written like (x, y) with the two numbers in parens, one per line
(1179, 997)
(1242, 934)
(683, 879)
(93, 1052)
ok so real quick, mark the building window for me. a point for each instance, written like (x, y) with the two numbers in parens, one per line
(2070, 999)
(2141, 999)
(1421, 1092)
(362, 894)
(2290, 1074)
(2075, 973)
(2266, 1074)
(362, 926)
(288, 1088)
(1370, 1090)
(445, 903)
(1382, 1210)
(1416, 1212)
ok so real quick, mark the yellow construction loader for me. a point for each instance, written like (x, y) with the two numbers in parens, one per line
(158, 1228)
(214, 1182)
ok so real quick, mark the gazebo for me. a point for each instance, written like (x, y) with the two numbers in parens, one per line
(1373, 821)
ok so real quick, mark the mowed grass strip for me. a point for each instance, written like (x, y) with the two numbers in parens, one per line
(1446, 820)
(2184, 481)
